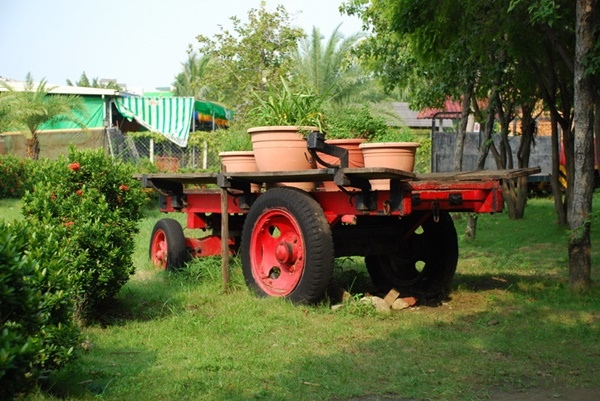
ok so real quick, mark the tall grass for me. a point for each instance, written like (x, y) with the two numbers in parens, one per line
(510, 323)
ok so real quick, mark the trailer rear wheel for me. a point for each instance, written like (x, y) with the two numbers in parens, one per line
(423, 265)
(167, 245)
(287, 247)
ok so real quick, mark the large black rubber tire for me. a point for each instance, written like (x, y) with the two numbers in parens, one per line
(169, 231)
(300, 219)
(423, 265)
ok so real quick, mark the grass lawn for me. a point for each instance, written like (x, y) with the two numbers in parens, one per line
(510, 324)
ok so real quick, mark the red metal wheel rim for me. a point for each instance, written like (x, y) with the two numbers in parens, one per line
(159, 249)
(277, 252)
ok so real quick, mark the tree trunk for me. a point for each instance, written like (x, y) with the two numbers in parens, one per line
(460, 135)
(32, 147)
(559, 204)
(596, 138)
(583, 178)
(488, 143)
(528, 128)
(471, 229)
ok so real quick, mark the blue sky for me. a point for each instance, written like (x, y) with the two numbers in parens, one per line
(138, 42)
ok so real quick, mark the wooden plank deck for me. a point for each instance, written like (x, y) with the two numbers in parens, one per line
(171, 180)
(479, 175)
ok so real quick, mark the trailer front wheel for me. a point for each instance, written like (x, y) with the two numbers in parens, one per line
(287, 247)
(167, 245)
(423, 264)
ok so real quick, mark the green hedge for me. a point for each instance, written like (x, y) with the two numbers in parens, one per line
(13, 176)
(38, 334)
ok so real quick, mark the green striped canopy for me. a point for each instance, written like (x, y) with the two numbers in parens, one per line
(170, 116)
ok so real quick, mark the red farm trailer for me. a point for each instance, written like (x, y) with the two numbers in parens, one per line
(288, 238)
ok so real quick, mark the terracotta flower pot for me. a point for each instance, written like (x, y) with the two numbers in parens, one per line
(166, 163)
(355, 157)
(397, 155)
(282, 148)
(240, 162)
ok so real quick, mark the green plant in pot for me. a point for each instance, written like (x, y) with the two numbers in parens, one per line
(234, 139)
(348, 127)
(285, 107)
(283, 119)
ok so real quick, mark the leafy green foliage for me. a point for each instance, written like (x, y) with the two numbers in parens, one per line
(283, 106)
(38, 334)
(13, 173)
(192, 80)
(235, 138)
(250, 56)
(355, 122)
(330, 69)
(99, 203)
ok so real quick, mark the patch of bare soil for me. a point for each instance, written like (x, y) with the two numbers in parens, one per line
(545, 395)
(516, 395)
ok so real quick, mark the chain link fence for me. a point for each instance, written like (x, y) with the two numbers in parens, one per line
(165, 155)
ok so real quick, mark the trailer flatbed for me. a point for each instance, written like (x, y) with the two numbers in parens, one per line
(288, 238)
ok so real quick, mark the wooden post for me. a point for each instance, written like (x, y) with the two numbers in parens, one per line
(224, 240)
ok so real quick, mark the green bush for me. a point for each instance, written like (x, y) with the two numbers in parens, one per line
(99, 203)
(36, 307)
(13, 173)
(355, 122)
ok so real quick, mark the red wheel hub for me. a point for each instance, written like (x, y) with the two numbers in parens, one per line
(285, 253)
(159, 249)
(277, 252)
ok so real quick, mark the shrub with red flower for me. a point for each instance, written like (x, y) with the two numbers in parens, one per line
(101, 205)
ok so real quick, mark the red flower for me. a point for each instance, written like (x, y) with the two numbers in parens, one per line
(74, 166)
(69, 223)
(79, 192)
(124, 187)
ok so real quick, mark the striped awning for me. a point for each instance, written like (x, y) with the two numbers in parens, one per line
(170, 116)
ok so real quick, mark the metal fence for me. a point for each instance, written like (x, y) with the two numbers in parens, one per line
(165, 155)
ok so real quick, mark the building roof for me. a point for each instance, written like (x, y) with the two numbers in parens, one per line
(413, 119)
(450, 107)
(59, 89)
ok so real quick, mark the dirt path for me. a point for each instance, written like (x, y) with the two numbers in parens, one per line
(544, 395)
(525, 395)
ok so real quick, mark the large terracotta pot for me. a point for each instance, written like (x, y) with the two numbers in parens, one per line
(355, 157)
(240, 162)
(397, 155)
(282, 148)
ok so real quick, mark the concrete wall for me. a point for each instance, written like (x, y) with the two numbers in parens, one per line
(53, 143)
(442, 152)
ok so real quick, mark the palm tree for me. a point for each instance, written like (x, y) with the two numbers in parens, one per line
(5, 110)
(34, 106)
(190, 82)
(329, 68)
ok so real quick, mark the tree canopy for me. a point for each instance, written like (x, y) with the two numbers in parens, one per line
(193, 80)
(251, 56)
(518, 55)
